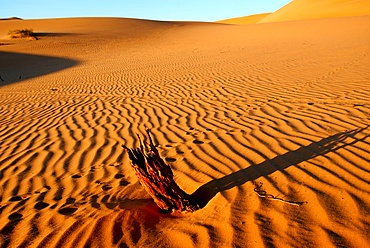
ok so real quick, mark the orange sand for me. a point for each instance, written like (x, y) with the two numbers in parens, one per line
(251, 19)
(305, 10)
(315, 9)
(285, 104)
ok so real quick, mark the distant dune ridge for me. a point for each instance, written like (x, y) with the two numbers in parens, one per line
(245, 115)
(11, 18)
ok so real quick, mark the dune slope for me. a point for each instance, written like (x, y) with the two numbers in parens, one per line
(279, 109)
(318, 9)
(251, 19)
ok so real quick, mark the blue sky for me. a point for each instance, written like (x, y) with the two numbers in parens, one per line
(185, 10)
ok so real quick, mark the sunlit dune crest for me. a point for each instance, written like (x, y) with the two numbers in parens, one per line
(317, 9)
(251, 19)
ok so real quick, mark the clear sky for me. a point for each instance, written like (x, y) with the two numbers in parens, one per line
(184, 10)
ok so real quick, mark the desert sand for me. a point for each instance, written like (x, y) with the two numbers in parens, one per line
(307, 10)
(281, 109)
(317, 9)
(251, 19)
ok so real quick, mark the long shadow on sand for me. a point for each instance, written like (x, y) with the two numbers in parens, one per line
(330, 144)
(44, 34)
(15, 67)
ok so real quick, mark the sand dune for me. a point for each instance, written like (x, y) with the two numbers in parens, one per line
(284, 104)
(317, 9)
(251, 19)
(307, 9)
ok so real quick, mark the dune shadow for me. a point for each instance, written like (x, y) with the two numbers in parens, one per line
(330, 144)
(15, 67)
(52, 34)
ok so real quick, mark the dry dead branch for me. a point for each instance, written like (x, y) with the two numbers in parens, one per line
(157, 178)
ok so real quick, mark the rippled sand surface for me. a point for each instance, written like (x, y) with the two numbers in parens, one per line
(280, 109)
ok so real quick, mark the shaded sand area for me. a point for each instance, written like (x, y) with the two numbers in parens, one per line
(283, 105)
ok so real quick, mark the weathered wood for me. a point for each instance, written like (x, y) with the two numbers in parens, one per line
(157, 178)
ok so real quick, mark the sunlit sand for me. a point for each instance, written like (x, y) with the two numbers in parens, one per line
(243, 114)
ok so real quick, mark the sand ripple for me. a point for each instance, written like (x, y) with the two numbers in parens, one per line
(227, 112)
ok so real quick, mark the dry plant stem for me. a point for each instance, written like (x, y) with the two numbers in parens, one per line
(157, 178)
(263, 193)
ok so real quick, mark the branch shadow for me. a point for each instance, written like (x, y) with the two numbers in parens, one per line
(332, 143)
(15, 67)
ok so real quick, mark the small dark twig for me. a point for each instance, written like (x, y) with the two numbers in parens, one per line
(263, 194)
